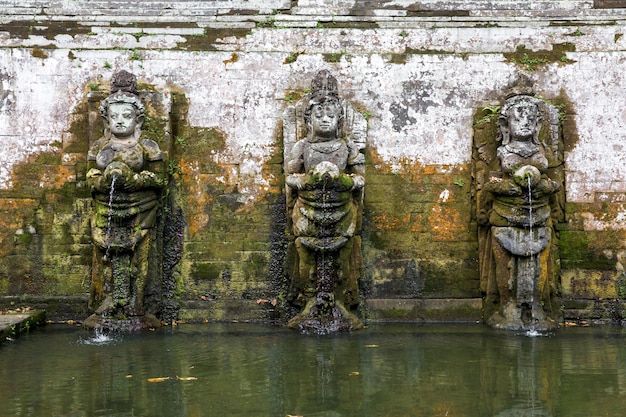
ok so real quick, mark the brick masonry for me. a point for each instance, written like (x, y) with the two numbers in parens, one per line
(419, 71)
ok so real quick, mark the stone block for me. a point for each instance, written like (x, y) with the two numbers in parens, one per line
(589, 284)
(426, 310)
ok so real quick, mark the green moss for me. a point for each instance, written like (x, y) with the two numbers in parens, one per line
(267, 22)
(39, 53)
(397, 58)
(409, 50)
(334, 57)
(465, 313)
(50, 29)
(397, 314)
(292, 96)
(154, 129)
(210, 39)
(584, 250)
(532, 60)
(255, 267)
(331, 24)
(292, 57)
(22, 238)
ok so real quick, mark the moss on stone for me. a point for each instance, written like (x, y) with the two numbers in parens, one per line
(210, 39)
(584, 249)
(50, 29)
(532, 60)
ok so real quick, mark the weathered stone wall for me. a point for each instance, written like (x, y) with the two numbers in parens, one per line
(420, 72)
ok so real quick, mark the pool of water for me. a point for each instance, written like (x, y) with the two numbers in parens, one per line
(252, 370)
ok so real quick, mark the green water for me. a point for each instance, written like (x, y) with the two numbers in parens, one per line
(253, 370)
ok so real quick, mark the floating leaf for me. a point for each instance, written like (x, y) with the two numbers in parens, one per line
(159, 379)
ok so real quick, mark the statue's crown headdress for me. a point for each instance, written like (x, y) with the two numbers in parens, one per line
(523, 86)
(123, 90)
(324, 84)
(124, 81)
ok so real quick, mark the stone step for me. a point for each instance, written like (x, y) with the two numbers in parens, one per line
(368, 7)
(13, 324)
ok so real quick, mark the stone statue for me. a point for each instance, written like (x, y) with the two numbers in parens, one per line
(516, 244)
(126, 175)
(325, 179)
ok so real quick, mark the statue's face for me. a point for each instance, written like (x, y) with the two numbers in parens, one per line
(324, 120)
(523, 122)
(122, 119)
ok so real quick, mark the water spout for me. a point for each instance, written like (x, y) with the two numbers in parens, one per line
(110, 214)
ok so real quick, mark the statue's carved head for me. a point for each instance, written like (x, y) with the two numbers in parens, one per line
(324, 117)
(324, 114)
(520, 120)
(122, 111)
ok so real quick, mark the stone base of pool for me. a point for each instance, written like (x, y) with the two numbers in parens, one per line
(377, 310)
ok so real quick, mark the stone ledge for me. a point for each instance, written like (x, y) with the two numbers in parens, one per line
(425, 310)
(276, 22)
(594, 311)
(13, 325)
(58, 308)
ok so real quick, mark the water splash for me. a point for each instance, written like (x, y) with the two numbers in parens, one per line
(99, 337)
(534, 333)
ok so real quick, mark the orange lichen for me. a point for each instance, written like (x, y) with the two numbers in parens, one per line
(447, 223)
(389, 222)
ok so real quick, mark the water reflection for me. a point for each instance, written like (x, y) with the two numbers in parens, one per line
(249, 370)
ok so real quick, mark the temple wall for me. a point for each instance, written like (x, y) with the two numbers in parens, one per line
(421, 73)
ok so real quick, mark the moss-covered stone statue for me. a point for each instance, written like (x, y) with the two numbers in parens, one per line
(126, 175)
(519, 176)
(324, 165)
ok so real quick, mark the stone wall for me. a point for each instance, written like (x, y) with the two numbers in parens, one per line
(421, 73)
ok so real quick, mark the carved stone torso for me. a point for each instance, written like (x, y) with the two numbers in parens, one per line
(131, 155)
(512, 157)
(134, 155)
(335, 151)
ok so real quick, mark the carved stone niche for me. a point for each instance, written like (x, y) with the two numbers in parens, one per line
(129, 140)
(324, 139)
(519, 197)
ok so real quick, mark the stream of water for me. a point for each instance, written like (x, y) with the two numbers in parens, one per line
(253, 370)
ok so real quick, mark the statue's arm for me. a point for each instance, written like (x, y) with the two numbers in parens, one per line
(295, 163)
(356, 166)
(154, 174)
(546, 186)
(294, 167)
(504, 186)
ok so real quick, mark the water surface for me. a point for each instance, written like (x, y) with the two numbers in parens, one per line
(252, 370)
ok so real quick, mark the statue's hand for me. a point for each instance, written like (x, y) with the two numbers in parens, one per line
(504, 187)
(133, 183)
(96, 180)
(296, 181)
(139, 181)
(546, 187)
(358, 182)
(94, 173)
